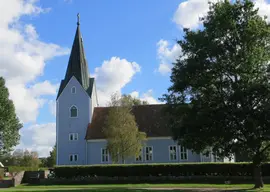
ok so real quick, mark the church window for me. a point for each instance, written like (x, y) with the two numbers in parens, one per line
(139, 157)
(172, 153)
(73, 136)
(73, 157)
(73, 90)
(104, 155)
(73, 111)
(183, 153)
(148, 153)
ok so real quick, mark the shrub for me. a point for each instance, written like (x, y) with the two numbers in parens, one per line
(183, 169)
(13, 169)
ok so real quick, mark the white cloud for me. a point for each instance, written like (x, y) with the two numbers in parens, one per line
(23, 57)
(188, 12)
(187, 15)
(167, 56)
(264, 8)
(52, 107)
(38, 137)
(148, 96)
(112, 76)
(134, 94)
(44, 88)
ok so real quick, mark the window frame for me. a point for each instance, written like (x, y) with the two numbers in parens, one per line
(73, 88)
(169, 149)
(72, 157)
(73, 136)
(145, 153)
(183, 152)
(71, 109)
(104, 155)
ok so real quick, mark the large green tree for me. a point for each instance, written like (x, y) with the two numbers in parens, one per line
(124, 140)
(220, 92)
(9, 122)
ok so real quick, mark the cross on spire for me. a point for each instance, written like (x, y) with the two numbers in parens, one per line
(77, 64)
(78, 19)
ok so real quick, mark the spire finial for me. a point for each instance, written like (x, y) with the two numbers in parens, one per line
(78, 19)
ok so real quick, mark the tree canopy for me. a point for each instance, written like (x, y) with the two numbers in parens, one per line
(9, 122)
(128, 100)
(220, 93)
(51, 160)
(21, 158)
(123, 137)
(125, 100)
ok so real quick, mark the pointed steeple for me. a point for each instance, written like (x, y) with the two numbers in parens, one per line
(77, 65)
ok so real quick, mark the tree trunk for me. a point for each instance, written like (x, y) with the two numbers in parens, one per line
(258, 175)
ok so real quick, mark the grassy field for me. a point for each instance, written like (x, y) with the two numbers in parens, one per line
(136, 188)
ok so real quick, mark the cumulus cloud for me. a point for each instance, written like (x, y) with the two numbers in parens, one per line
(38, 137)
(134, 94)
(187, 15)
(23, 57)
(264, 7)
(188, 12)
(52, 107)
(167, 55)
(147, 96)
(112, 76)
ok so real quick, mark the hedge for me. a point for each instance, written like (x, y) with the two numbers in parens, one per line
(183, 169)
(13, 169)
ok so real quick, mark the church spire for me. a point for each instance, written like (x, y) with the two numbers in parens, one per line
(77, 65)
(78, 19)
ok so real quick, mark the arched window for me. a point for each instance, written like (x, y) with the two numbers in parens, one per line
(73, 90)
(73, 111)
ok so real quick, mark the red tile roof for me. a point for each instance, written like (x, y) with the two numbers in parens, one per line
(150, 119)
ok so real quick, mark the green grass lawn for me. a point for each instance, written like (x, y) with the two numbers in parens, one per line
(133, 188)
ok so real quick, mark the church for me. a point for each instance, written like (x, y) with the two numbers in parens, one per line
(79, 122)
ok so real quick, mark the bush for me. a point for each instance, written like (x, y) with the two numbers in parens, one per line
(183, 169)
(13, 169)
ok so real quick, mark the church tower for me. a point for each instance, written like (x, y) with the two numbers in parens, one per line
(75, 103)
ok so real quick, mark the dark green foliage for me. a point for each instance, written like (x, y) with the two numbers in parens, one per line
(199, 169)
(9, 122)
(220, 84)
(21, 158)
(51, 160)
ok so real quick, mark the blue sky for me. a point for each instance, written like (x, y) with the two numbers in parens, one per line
(129, 46)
